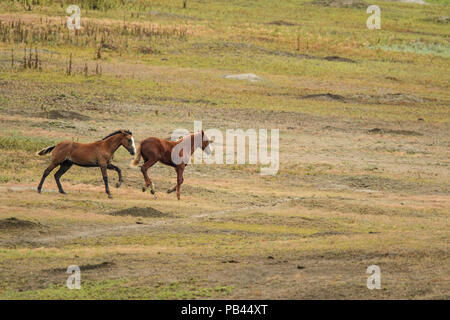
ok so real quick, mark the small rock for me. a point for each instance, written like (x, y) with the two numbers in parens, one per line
(443, 19)
(414, 1)
(300, 267)
(243, 76)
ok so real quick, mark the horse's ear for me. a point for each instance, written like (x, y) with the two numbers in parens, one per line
(122, 132)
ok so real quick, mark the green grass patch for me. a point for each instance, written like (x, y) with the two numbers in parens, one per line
(119, 289)
(17, 141)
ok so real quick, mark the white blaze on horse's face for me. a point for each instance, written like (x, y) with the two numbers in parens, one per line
(133, 145)
(206, 143)
(208, 150)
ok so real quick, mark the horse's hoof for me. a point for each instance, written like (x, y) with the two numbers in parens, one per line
(144, 189)
(39, 190)
(169, 191)
(110, 196)
(118, 184)
(152, 191)
(62, 192)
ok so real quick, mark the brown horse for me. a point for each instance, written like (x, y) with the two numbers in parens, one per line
(95, 154)
(171, 154)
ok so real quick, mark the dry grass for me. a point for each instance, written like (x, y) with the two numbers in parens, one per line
(363, 176)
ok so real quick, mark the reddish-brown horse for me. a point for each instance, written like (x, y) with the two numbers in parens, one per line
(169, 153)
(96, 154)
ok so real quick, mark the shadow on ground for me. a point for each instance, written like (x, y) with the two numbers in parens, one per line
(148, 212)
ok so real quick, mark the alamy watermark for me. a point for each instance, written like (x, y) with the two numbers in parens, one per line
(74, 20)
(374, 21)
(74, 280)
(374, 280)
(230, 148)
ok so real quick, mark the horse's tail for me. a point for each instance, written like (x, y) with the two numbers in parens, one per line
(136, 160)
(45, 151)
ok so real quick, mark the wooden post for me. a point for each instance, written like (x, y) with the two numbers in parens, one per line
(36, 58)
(30, 58)
(69, 68)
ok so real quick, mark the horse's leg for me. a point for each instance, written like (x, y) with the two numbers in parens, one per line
(175, 186)
(62, 169)
(180, 179)
(46, 173)
(148, 182)
(172, 189)
(119, 172)
(105, 180)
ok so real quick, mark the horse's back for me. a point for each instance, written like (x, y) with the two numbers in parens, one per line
(152, 145)
(72, 145)
(63, 146)
(155, 148)
(78, 153)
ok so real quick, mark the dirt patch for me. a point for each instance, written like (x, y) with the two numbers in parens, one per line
(341, 3)
(390, 131)
(337, 58)
(409, 1)
(327, 233)
(62, 114)
(84, 267)
(171, 15)
(14, 223)
(148, 212)
(281, 23)
(389, 98)
(336, 129)
(392, 78)
(181, 100)
(382, 183)
(236, 47)
(230, 261)
(104, 264)
(325, 96)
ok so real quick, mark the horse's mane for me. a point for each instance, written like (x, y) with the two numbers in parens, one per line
(117, 132)
(182, 137)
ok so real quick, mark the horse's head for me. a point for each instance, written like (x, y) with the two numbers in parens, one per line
(127, 141)
(205, 143)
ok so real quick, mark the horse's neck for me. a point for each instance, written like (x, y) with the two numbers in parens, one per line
(112, 143)
(195, 142)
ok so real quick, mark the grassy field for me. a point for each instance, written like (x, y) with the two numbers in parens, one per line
(364, 179)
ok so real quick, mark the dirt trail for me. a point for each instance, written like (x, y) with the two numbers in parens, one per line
(150, 225)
